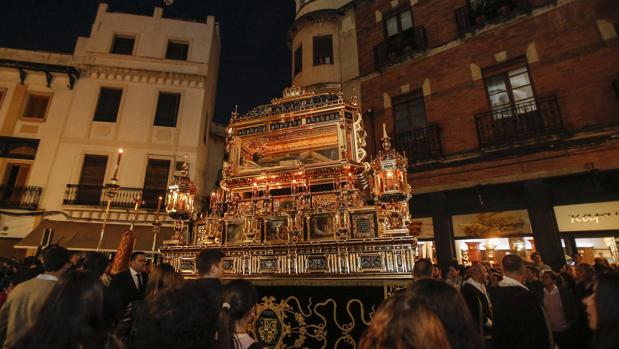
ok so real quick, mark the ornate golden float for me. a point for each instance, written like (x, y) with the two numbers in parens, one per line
(298, 201)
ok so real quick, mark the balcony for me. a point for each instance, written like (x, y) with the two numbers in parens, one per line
(23, 198)
(422, 144)
(398, 47)
(520, 122)
(479, 13)
(91, 195)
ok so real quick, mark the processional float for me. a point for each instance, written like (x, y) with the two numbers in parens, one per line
(297, 199)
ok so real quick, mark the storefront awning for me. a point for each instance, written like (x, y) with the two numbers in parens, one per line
(84, 236)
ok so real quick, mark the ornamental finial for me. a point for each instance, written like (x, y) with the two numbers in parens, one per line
(385, 139)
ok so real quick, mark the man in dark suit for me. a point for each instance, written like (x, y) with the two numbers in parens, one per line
(519, 319)
(130, 285)
(477, 298)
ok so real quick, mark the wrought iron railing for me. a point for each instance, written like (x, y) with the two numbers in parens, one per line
(422, 144)
(518, 122)
(479, 13)
(95, 195)
(26, 198)
(396, 48)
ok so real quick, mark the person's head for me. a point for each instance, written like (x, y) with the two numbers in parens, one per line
(393, 327)
(448, 304)
(513, 266)
(577, 258)
(536, 257)
(602, 261)
(423, 269)
(237, 310)
(494, 277)
(436, 272)
(531, 273)
(72, 317)
(31, 262)
(454, 269)
(56, 259)
(96, 262)
(188, 316)
(603, 309)
(584, 273)
(210, 263)
(549, 279)
(137, 261)
(479, 273)
(162, 279)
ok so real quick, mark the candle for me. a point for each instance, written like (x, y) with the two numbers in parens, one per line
(117, 166)
(293, 186)
(158, 209)
(213, 200)
(254, 190)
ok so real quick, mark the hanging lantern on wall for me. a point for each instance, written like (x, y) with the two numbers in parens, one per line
(180, 203)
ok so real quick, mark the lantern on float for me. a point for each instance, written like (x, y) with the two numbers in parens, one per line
(180, 201)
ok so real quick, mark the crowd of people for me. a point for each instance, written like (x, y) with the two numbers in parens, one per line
(519, 305)
(61, 301)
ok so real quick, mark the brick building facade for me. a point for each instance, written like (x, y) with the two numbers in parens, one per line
(499, 105)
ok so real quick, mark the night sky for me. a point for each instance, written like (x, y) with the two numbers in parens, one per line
(255, 60)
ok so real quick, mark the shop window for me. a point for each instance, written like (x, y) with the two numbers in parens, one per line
(409, 114)
(398, 23)
(36, 106)
(298, 60)
(167, 109)
(108, 104)
(177, 50)
(604, 247)
(323, 50)
(123, 45)
(510, 90)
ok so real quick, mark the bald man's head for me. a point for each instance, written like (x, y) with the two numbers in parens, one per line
(479, 273)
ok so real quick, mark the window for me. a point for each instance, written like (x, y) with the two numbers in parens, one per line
(298, 60)
(36, 106)
(90, 188)
(177, 50)
(409, 114)
(108, 104)
(155, 181)
(509, 89)
(398, 23)
(167, 109)
(323, 50)
(123, 45)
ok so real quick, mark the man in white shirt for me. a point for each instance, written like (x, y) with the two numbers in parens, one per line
(25, 301)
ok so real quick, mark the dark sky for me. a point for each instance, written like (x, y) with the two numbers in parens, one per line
(255, 61)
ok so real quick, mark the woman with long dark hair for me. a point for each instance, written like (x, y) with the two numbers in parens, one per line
(448, 304)
(72, 317)
(405, 322)
(163, 279)
(603, 311)
(237, 311)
